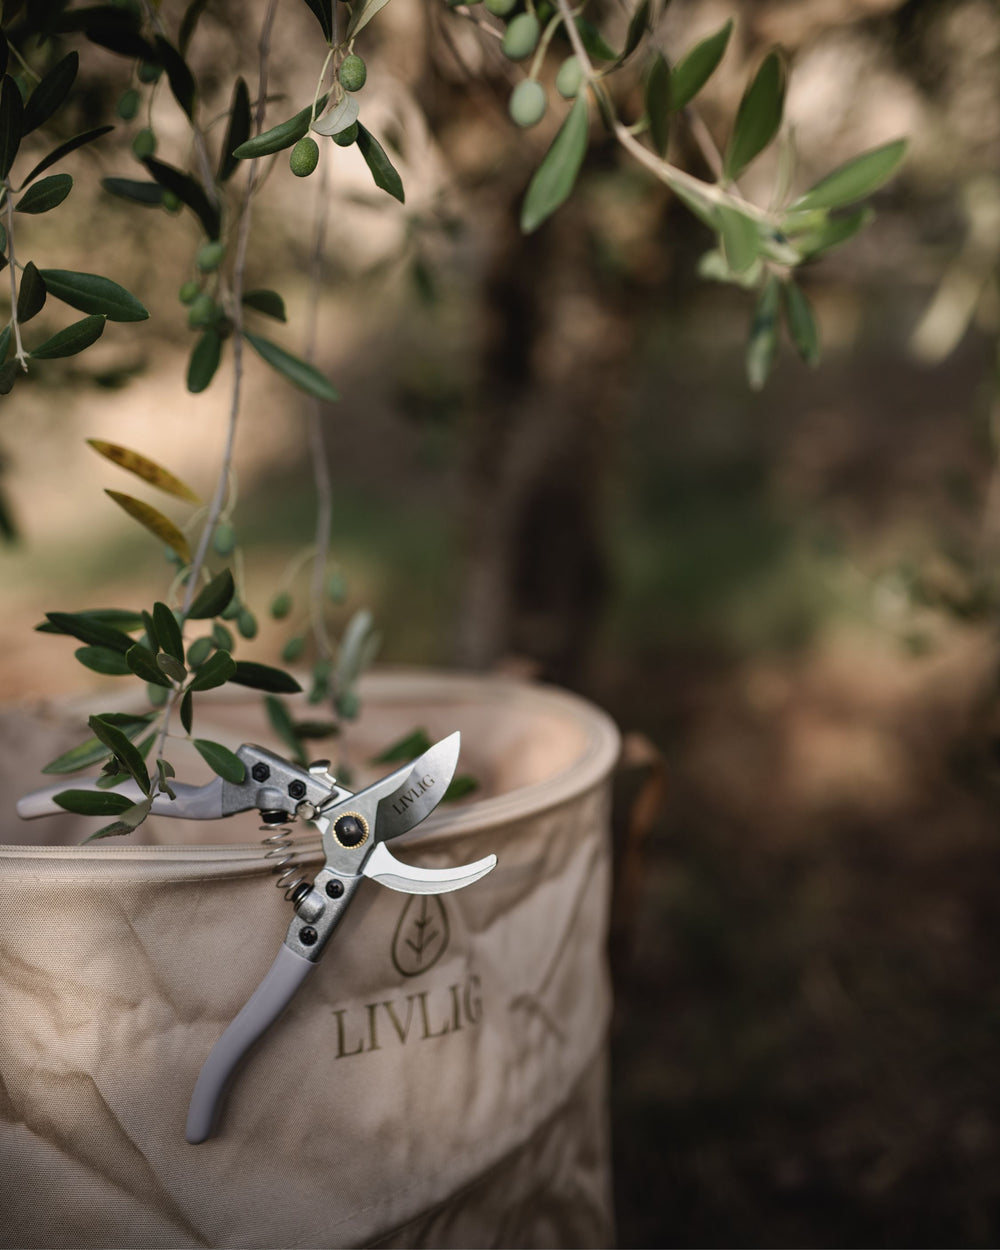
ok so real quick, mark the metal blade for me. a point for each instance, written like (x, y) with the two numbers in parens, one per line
(419, 790)
(382, 866)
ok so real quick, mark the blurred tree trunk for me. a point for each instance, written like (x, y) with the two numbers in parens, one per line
(553, 357)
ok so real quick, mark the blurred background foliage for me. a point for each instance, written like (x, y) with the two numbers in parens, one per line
(546, 458)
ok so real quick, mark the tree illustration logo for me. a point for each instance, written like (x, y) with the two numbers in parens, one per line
(421, 936)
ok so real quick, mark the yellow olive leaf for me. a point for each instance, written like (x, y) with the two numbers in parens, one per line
(145, 468)
(164, 529)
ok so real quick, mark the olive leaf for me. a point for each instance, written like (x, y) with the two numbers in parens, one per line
(45, 195)
(189, 192)
(213, 598)
(263, 677)
(64, 149)
(341, 117)
(93, 749)
(323, 9)
(221, 760)
(187, 711)
(142, 466)
(460, 787)
(696, 67)
(284, 726)
(362, 15)
(855, 178)
(758, 116)
(168, 632)
(11, 123)
(157, 524)
(165, 770)
(87, 628)
(90, 293)
(553, 180)
(50, 92)
(92, 802)
(188, 23)
(763, 342)
(73, 339)
(143, 663)
(30, 294)
(132, 189)
(172, 668)
(594, 42)
(269, 303)
(123, 749)
(128, 821)
(281, 136)
(305, 376)
(740, 240)
(382, 169)
(216, 671)
(178, 75)
(350, 654)
(658, 102)
(205, 357)
(802, 329)
(237, 130)
(637, 27)
(103, 660)
(832, 233)
(405, 749)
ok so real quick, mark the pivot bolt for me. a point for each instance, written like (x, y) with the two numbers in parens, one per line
(308, 936)
(297, 789)
(335, 888)
(260, 772)
(350, 830)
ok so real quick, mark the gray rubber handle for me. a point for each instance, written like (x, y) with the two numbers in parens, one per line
(264, 1006)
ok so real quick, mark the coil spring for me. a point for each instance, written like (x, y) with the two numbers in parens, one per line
(279, 844)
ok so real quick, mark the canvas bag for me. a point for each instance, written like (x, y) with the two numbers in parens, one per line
(439, 1080)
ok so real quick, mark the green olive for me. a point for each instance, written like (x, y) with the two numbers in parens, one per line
(569, 78)
(148, 72)
(292, 650)
(527, 103)
(304, 157)
(224, 538)
(352, 73)
(246, 623)
(144, 143)
(344, 138)
(202, 310)
(500, 8)
(281, 605)
(521, 37)
(128, 105)
(189, 292)
(209, 256)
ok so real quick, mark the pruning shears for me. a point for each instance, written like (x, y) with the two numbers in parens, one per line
(354, 828)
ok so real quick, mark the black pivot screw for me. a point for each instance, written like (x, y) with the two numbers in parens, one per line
(308, 936)
(350, 830)
(335, 888)
(260, 772)
(297, 789)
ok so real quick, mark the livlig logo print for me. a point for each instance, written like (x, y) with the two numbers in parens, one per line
(421, 936)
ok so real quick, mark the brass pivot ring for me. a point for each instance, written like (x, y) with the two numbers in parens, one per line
(351, 830)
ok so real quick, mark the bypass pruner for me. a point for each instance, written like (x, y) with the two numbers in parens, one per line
(354, 829)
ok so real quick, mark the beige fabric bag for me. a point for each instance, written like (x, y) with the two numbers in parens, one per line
(439, 1081)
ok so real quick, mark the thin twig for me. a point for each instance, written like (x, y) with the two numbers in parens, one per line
(675, 178)
(239, 264)
(19, 352)
(317, 442)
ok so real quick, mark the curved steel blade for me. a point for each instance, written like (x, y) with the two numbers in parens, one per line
(382, 866)
(418, 789)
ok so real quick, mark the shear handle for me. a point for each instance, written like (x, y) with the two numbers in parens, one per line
(264, 1006)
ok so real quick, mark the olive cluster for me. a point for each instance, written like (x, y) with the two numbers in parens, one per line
(528, 100)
